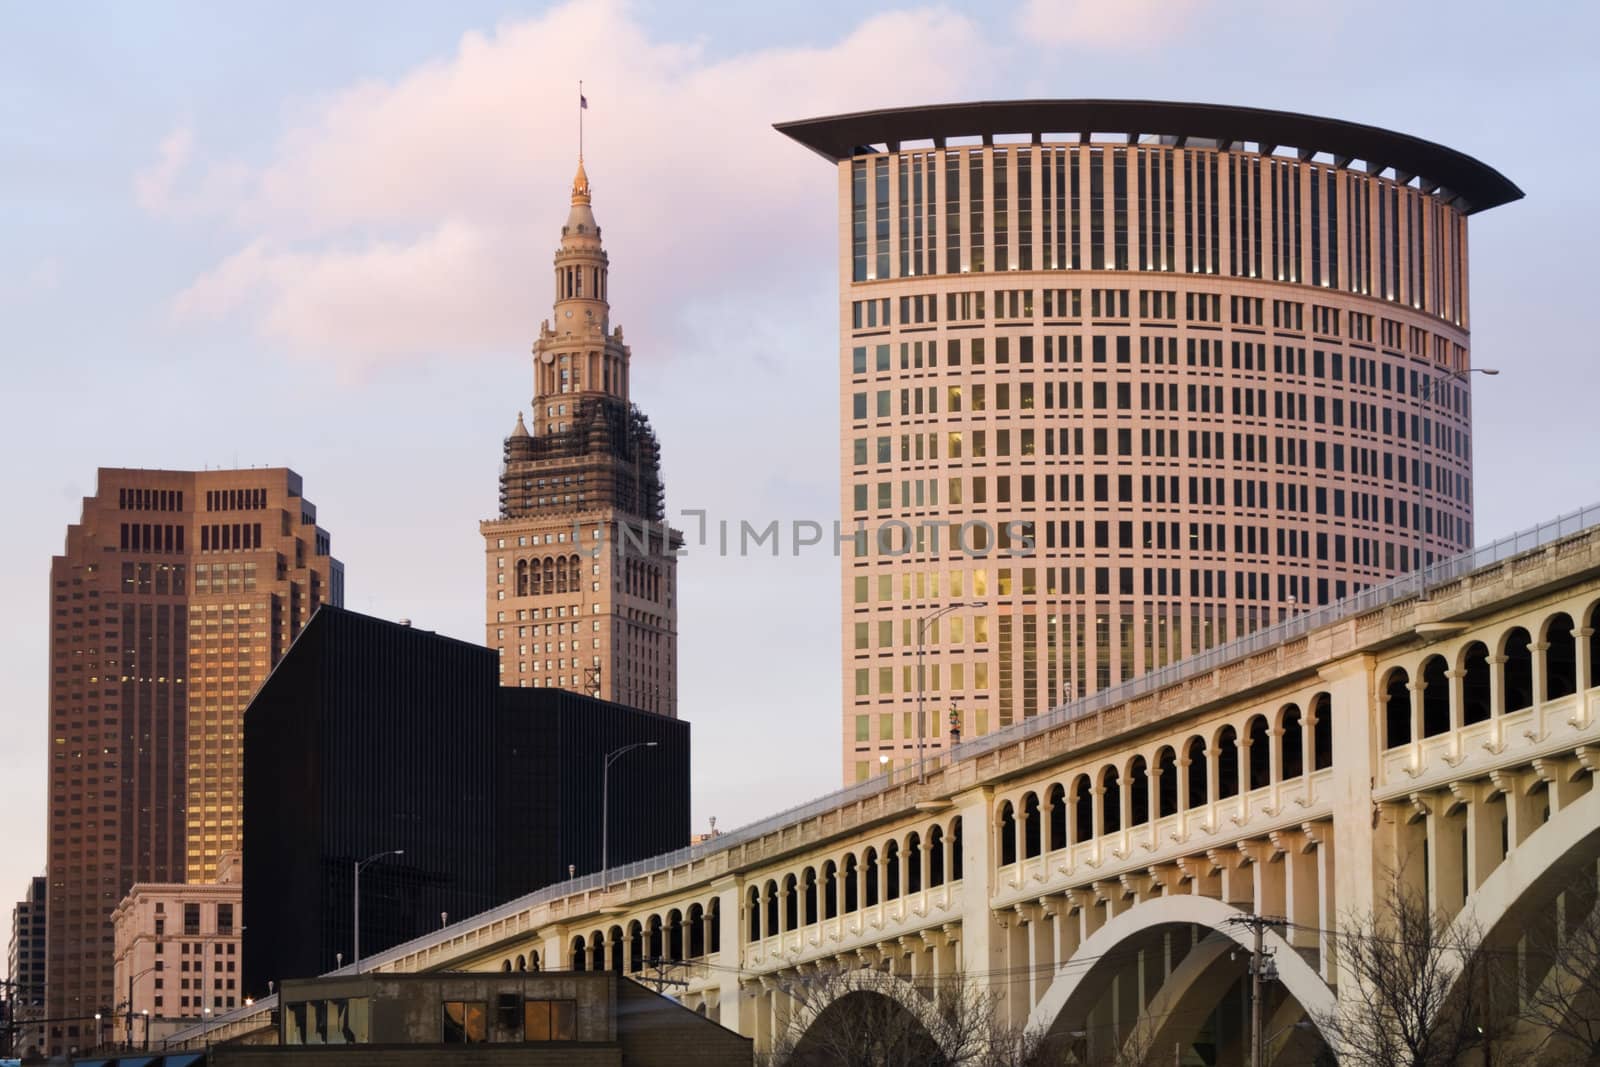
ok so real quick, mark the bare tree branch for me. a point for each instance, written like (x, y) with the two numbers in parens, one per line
(1415, 986)
(1559, 998)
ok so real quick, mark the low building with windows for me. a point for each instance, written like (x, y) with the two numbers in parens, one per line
(177, 954)
(591, 1019)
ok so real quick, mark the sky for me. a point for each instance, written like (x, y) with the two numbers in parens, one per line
(317, 235)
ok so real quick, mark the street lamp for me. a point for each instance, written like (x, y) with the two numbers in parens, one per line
(1434, 394)
(922, 631)
(605, 802)
(132, 978)
(360, 864)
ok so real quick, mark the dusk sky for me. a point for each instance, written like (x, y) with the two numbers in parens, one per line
(318, 236)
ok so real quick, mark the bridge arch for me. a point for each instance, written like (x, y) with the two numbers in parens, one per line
(1079, 982)
(1549, 856)
(818, 993)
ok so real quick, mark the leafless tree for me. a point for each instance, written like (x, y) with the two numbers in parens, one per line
(1559, 1000)
(1413, 993)
(863, 1017)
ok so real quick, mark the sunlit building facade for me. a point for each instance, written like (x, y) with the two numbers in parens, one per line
(581, 567)
(1137, 378)
(177, 593)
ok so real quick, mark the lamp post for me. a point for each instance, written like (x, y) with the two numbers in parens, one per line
(360, 864)
(605, 802)
(132, 978)
(1434, 394)
(922, 630)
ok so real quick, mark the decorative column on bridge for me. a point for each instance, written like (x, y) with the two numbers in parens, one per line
(983, 940)
(1352, 685)
(734, 1011)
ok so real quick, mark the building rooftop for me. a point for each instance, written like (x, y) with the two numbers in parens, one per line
(1470, 184)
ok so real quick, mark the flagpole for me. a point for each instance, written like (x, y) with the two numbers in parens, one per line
(580, 119)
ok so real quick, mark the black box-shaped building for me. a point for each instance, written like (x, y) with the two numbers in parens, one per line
(372, 736)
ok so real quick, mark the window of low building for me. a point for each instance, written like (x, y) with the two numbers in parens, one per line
(465, 1022)
(550, 1020)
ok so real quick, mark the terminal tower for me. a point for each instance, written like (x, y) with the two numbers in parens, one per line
(581, 565)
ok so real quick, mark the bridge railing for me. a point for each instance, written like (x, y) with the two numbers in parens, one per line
(1393, 591)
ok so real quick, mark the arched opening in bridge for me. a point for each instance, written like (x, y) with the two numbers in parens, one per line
(580, 954)
(1397, 709)
(852, 885)
(1082, 810)
(635, 947)
(773, 929)
(913, 863)
(1227, 763)
(1195, 758)
(1138, 792)
(956, 859)
(935, 855)
(1031, 838)
(810, 896)
(1475, 706)
(891, 870)
(1260, 752)
(616, 949)
(1518, 670)
(830, 890)
(869, 874)
(791, 904)
(697, 932)
(714, 925)
(1321, 732)
(675, 935)
(865, 1027)
(753, 907)
(1560, 658)
(1110, 801)
(653, 929)
(1166, 782)
(1435, 697)
(1291, 757)
(1594, 644)
(1008, 834)
(597, 951)
(1057, 804)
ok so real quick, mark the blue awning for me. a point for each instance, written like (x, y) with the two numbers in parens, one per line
(183, 1059)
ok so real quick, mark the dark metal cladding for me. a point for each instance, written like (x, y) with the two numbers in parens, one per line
(1477, 185)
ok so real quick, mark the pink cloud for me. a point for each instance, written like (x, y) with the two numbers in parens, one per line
(397, 219)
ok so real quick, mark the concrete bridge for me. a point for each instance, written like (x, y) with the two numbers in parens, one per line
(1085, 866)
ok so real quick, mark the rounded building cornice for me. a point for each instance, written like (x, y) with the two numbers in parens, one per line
(1456, 177)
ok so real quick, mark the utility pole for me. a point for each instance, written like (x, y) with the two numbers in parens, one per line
(1258, 925)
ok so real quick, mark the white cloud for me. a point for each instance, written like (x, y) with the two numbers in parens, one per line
(1106, 23)
(415, 216)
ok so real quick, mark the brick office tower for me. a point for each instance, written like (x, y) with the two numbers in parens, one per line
(177, 594)
(1213, 361)
(581, 570)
